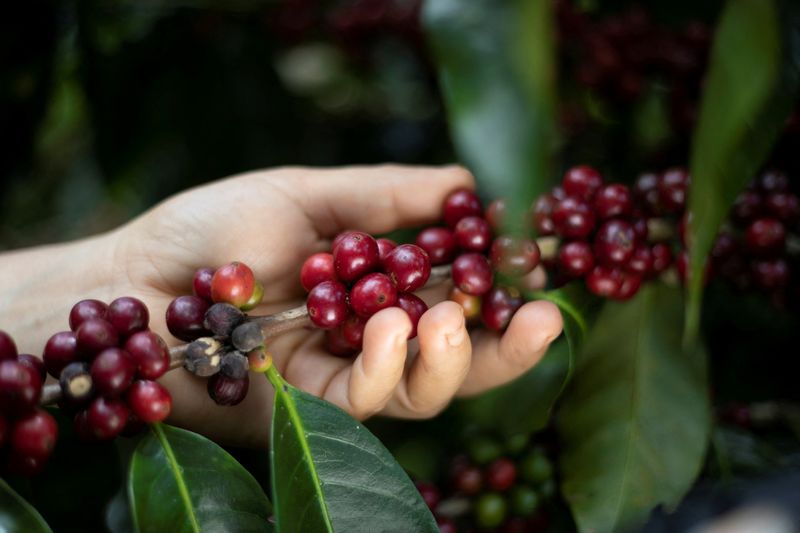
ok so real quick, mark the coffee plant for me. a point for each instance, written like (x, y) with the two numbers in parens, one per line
(635, 166)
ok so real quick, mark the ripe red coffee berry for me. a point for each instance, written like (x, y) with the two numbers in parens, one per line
(327, 304)
(414, 307)
(384, 247)
(8, 349)
(34, 435)
(20, 387)
(408, 267)
(542, 215)
(228, 391)
(765, 235)
(372, 293)
(355, 256)
(573, 218)
(771, 274)
(185, 317)
(233, 283)
(672, 189)
(439, 243)
(430, 494)
(469, 303)
(629, 285)
(614, 243)
(472, 274)
(201, 283)
(33, 362)
(112, 372)
(128, 315)
(575, 259)
(316, 269)
(603, 281)
(460, 204)
(150, 354)
(582, 182)
(645, 190)
(497, 215)
(106, 418)
(95, 335)
(662, 257)
(353, 331)
(84, 310)
(149, 401)
(641, 262)
(748, 205)
(473, 234)
(773, 181)
(468, 480)
(337, 345)
(514, 256)
(498, 307)
(61, 349)
(783, 205)
(613, 200)
(501, 474)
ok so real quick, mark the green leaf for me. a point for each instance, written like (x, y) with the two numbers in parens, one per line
(750, 89)
(635, 420)
(180, 481)
(329, 473)
(17, 515)
(497, 71)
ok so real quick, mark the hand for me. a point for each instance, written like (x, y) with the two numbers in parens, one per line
(272, 221)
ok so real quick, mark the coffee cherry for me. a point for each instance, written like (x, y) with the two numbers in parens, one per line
(408, 267)
(460, 204)
(233, 283)
(185, 317)
(640, 229)
(469, 303)
(31, 361)
(575, 259)
(203, 357)
(337, 345)
(20, 387)
(773, 181)
(8, 349)
(4, 430)
(201, 283)
(384, 247)
(77, 385)
(430, 494)
(338, 239)
(228, 391)
(446, 525)
(112, 372)
(501, 474)
(468, 480)
(234, 365)
(645, 191)
(514, 256)
(748, 205)
(473, 234)
(498, 307)
(573, 218)
(490, 510)
(524, 500)
(765, 235)
(95, 335)
(372, 293)
(149, 401)
(497, 215)
(641, 262)
(316, 269)
(327, 304)
(414, 307)
(582, 182)
(150, 354)
(255, 298)
(725, 246)
(628, 287)
(472, 274)
(542, 215)
(536, 468)
(106, 418)
(662, 257)
(672, 189)
(34, 435)
(259, 360)
(355, 256)
(484, 449)
(783, 205)
(247, 337)
(222, 319)
(771, 274)
(84, 310)
(614, 243)
(613, 200)
(603, 281)
(353, 330)
(128, 315)
(439, 243)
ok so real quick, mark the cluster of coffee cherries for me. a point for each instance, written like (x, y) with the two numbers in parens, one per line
(498, 485)
(208, 320)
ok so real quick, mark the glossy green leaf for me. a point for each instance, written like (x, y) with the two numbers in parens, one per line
(180, 481)
(751, 87)
(496, 66)
(17, 515)
(635, 420)
(329, 473)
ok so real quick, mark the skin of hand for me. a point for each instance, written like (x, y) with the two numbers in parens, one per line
(272, 220)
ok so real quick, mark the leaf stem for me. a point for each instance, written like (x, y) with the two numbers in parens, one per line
(158, 431)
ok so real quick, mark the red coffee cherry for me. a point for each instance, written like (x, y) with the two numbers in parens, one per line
(185, 317)
(773, 181)
(514, 256)
(614, 243)
(384, 247)
(20, 387)
(501, 474)
(582, 182)
(498, 307)
(468, 480)
(201, 283)
(497, 215)
(149, 401)
(316, 269)
(771, 274)
(430, 494)
(84, 310)
(372, 293)
(613, 200)
(61, 349)
(150, 354)
(228, 391)
(641, 262)
(95, 335)
(106, 418)
(473, 234)
(672, 189)
(337, 345)
(414, 307)
(327, 304)
(542, 215)
(31, 361)
(575, 259)
(765, 235)
(662, 257)
(8, 349)
(353, 331)
(233, 283)
(469, 303)
(573, 218)
(628, 287)
(472, 274)
(355, 256)
(34, 435)
(439, 243)
(603, 281)
(112, 372)
(128, 315)
(645, 191)
(408, 267)
(748, 205)
(460, 204)
(783, 205)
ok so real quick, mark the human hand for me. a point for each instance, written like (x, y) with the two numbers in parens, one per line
(272, 220)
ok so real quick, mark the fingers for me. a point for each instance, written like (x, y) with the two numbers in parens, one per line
(498, 359)
(439, 369)
(364, 388)
(373, 199)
